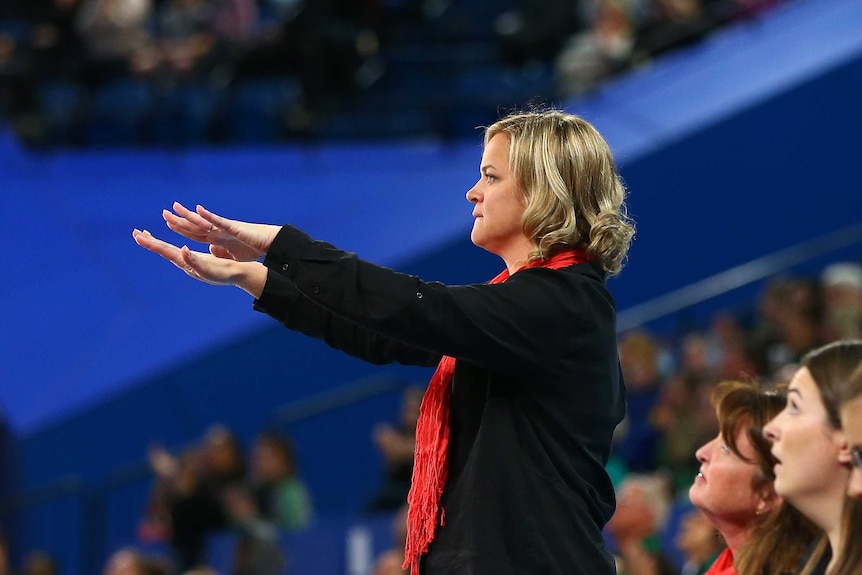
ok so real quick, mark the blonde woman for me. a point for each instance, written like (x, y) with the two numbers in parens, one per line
(516, 425)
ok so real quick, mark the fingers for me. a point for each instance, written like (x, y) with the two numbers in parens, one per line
(216, 220)
(180, 257)
(186, 222)
(170, 252)
(220, 252)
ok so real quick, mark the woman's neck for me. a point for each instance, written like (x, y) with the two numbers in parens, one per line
(735, 534)
(826, 512)
(517, 255)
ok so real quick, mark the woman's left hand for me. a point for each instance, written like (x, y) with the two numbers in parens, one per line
(201, 266)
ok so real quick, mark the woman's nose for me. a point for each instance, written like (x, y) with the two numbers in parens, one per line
(472, 195)
(770, 431)
(702, 454)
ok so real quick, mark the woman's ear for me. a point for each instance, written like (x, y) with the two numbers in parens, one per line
(768, 500)
(844, 457)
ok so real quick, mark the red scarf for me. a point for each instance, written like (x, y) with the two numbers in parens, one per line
(431, 462)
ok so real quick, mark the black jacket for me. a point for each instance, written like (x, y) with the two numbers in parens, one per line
(537, 393)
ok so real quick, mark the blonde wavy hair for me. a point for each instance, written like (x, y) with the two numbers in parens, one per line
(574, 195)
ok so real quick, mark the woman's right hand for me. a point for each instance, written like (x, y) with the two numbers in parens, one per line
(229, 239)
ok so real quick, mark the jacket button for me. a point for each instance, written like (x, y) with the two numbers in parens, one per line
(285, 266)
(316, 290)
(419, 294)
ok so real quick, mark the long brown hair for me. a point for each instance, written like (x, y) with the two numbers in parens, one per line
(832, 367)
(780, 537)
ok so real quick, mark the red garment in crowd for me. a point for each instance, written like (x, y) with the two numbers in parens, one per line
(723, 564)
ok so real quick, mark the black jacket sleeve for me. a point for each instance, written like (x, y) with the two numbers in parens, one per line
(283, 301)
(501, 326)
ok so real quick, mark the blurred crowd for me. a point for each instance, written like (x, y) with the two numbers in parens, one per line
(61, 53)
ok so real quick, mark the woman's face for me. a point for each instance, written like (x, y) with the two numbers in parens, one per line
(806, 446)
(851, 422)
(724, 487)
(498, 205)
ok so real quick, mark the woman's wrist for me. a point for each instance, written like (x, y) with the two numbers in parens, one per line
(251, 278)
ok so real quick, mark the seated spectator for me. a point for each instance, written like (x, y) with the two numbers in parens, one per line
(282, 496)
(188, 492)
(699, 543)
(396, 444)
(642, 507)
(113, 33)
(791, 310)
(813, 459)
(671, 24)
(258, 551)
(595, 54)
(841, 291)
(390, 561)
(183, 44)
(685, 419)
(639, 362)
(851, 422)
(734, 487)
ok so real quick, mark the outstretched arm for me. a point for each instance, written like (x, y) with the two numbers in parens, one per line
(287, 304)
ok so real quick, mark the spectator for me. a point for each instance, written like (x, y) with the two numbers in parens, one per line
(639, 362)
(603, 49)
(642, 509)
(258, 551)
(841, 285)
(685, 419)
(396, 444)
(113, 33)
(670, 24)
(813, 458)
(189, 492)
(389, 562)
(184, 43)
(698, 541)
(734, 487)
(282, 496)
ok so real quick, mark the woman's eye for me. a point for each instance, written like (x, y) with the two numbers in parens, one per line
(725, 448)
(489, 178)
